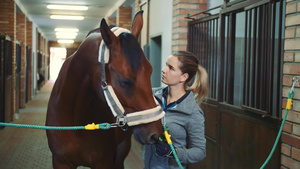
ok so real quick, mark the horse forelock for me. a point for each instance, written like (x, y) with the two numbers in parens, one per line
(132, 50)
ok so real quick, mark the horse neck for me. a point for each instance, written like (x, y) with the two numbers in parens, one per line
(78, 86)
(76, 73)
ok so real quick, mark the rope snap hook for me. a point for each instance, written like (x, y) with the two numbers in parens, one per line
(294, 81)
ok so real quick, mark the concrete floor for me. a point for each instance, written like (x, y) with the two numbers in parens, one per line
(28, 148)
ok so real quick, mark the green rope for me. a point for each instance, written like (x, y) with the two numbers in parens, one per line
(103, 126)
(290, 96)
(172, 147)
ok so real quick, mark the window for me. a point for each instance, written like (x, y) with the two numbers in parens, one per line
(241, 48)
(203, 42)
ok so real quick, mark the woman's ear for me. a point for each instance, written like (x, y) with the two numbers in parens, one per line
(184, 77)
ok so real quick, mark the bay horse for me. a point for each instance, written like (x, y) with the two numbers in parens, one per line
(114, 87)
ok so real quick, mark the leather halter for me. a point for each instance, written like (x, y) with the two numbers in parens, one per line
(122, 118)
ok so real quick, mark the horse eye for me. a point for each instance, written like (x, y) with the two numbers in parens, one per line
(126, 83)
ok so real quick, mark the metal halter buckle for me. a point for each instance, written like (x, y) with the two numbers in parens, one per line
(104, 84)
(122, 122)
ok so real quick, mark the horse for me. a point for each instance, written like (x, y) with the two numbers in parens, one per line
(107, 80)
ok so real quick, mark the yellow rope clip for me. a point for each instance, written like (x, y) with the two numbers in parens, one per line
(289, 104)
(168, 137)
(92, 126)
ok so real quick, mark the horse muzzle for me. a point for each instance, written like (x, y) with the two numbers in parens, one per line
(134, 118)
(143, 138)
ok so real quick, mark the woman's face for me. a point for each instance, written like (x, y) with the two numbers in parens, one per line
(171, 74)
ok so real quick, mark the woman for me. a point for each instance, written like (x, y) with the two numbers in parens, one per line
(184, 118)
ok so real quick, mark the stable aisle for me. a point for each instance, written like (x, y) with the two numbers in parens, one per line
(28, 148)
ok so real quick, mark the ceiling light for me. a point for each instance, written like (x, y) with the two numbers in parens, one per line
(65, 37)
(68, 7)
(66, 30)
(65, 41)
(66, 33)
(66, 17)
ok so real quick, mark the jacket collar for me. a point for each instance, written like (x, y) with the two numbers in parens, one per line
(185, 106)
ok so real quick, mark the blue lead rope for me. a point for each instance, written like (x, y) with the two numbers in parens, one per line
(92, 126)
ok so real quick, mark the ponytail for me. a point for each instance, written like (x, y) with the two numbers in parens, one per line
(200, 86)
(197, 81)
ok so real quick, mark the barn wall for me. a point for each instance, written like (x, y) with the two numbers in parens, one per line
(290, 147)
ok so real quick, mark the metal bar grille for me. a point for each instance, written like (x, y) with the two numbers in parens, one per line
(213, 40)
(203, 42)
(264, 82)
(8, 58)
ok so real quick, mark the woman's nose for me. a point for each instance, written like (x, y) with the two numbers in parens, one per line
(163, 70)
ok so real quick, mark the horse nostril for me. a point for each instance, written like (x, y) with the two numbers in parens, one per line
(153, 139)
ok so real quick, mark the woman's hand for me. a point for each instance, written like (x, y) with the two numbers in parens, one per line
(162, 148)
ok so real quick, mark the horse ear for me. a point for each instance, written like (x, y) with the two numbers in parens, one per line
(137, 24)
(108, 36)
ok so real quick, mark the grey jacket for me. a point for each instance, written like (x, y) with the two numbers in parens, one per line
(185, 122)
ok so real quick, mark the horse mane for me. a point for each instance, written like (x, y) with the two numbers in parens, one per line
(92, 31)
(131, 49)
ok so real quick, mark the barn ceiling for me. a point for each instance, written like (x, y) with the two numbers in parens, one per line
(37, 11)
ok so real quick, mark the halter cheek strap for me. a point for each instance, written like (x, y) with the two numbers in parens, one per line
(123, 119)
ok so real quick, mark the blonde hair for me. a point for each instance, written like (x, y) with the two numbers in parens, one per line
(197, 81)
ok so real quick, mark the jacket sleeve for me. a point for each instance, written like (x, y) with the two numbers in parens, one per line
(196, 142)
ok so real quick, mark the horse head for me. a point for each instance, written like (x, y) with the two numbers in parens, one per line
(128, 72)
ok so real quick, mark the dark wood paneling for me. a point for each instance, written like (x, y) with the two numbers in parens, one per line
(210, 161)
(6, 79)
(246, 144)
(2, 79)
(17, 74)
(28, 74)
(8, 96)
(17, 89)
(210, 113)
(39, 60)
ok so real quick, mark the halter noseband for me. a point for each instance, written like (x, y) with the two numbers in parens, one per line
(123, 119)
